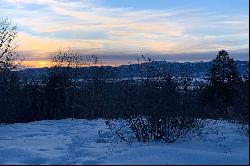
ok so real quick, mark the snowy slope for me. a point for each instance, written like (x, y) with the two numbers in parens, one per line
(81, 142)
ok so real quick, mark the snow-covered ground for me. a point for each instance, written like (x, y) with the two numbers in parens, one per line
(89, 142)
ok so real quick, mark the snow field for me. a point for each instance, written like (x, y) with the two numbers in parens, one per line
(91, 142)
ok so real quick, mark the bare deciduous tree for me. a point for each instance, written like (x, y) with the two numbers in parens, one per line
(8, 45)
(71, 59)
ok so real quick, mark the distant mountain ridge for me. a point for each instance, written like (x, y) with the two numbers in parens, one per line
(197, 69)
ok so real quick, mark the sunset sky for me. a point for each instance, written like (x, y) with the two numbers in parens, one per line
(120, 30)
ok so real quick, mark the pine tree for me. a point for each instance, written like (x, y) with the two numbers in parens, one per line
(223, 70)
(224, 81)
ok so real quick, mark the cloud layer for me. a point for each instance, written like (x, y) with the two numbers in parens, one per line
(92, 27)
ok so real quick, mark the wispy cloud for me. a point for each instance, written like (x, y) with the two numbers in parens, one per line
(45, 25)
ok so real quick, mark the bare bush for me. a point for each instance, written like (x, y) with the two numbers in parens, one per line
(168, 129)
(145, 129)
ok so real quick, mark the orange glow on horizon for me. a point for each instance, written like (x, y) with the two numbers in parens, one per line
(36, 64)
(47, 63)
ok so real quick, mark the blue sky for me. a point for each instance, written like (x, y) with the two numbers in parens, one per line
(128, 28)
(210, 5)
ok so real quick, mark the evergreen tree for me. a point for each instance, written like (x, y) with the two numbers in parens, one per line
(223, 70)
(224, 81)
